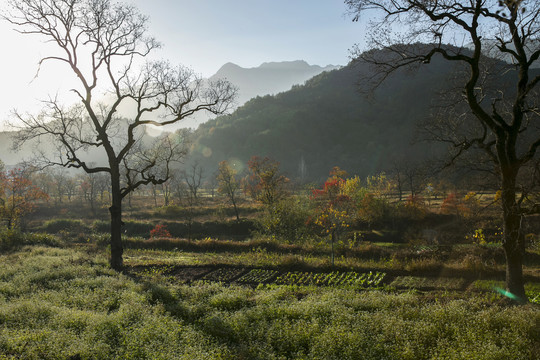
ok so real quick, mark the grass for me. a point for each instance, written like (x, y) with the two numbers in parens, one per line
(414, 282)
(63, 303)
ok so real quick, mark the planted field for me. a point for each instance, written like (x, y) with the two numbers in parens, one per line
(258, 276)
(189, 274)
(224, 274)
(336, 278)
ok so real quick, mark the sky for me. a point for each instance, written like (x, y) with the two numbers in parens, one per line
(201, 34)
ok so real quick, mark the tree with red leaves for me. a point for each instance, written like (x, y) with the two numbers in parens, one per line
(335, 208)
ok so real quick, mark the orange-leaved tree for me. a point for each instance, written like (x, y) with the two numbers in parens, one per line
(19, 196)
(335, 209)
(265, 182)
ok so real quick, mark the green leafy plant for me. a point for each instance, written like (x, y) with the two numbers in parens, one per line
(334, 279)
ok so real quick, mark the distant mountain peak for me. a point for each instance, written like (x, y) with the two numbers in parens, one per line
(269, 77)
(285, 64)
(266, 79)
(294, 65)
(229, 67)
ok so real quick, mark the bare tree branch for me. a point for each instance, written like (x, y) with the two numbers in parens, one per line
(102, 42)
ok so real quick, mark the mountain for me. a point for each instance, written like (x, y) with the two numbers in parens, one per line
(327, 122)
(267, 79)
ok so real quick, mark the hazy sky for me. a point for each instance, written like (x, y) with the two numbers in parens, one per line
(202, 34)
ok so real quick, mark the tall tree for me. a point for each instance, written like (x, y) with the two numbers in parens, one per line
(104, 44)
(502, 125)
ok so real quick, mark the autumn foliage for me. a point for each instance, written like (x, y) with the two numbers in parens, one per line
(265, 182)
(18, 196)
(334, 206)
(160, 231)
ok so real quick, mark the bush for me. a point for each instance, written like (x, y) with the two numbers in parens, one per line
(101, 226)
(11, 239)
(135, 228)
(171, 211)
(160, 231)
(286, 220)
(130, 228)
(57, 225)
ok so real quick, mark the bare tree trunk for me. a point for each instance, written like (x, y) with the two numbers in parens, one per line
(116, 260)
(335, 237)
(235, 209)
(513, 241)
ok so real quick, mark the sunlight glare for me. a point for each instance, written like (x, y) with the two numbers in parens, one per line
(153, 131)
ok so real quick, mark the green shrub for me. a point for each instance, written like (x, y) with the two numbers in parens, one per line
(286, 220)
(101, 226)
(11, 239)
(171, 212)
(70, 225)
(130, 228)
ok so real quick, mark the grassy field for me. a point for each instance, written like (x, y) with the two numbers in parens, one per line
(65, 303)
(239, 294)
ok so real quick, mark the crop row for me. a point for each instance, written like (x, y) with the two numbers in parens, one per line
(335, 278)
(258, 276)
(223, 274)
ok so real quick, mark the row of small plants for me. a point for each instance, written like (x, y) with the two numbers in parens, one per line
(335, 278)
(258, 276)
(223, 274)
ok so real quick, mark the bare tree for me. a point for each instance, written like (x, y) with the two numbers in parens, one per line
(166, 188)
(193, 179)
(504, 124)
(70, 186)
(228, 184)
(89, 189)
(186, 199)
(59, 178)
(105, 44)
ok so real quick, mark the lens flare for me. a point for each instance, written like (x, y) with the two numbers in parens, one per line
(506, 293)
(153, 131)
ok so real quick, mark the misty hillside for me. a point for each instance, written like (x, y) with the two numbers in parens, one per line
(267, 79)
(324, 123)
(327, 122)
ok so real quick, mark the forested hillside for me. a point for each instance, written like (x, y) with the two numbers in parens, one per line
(331, 120)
